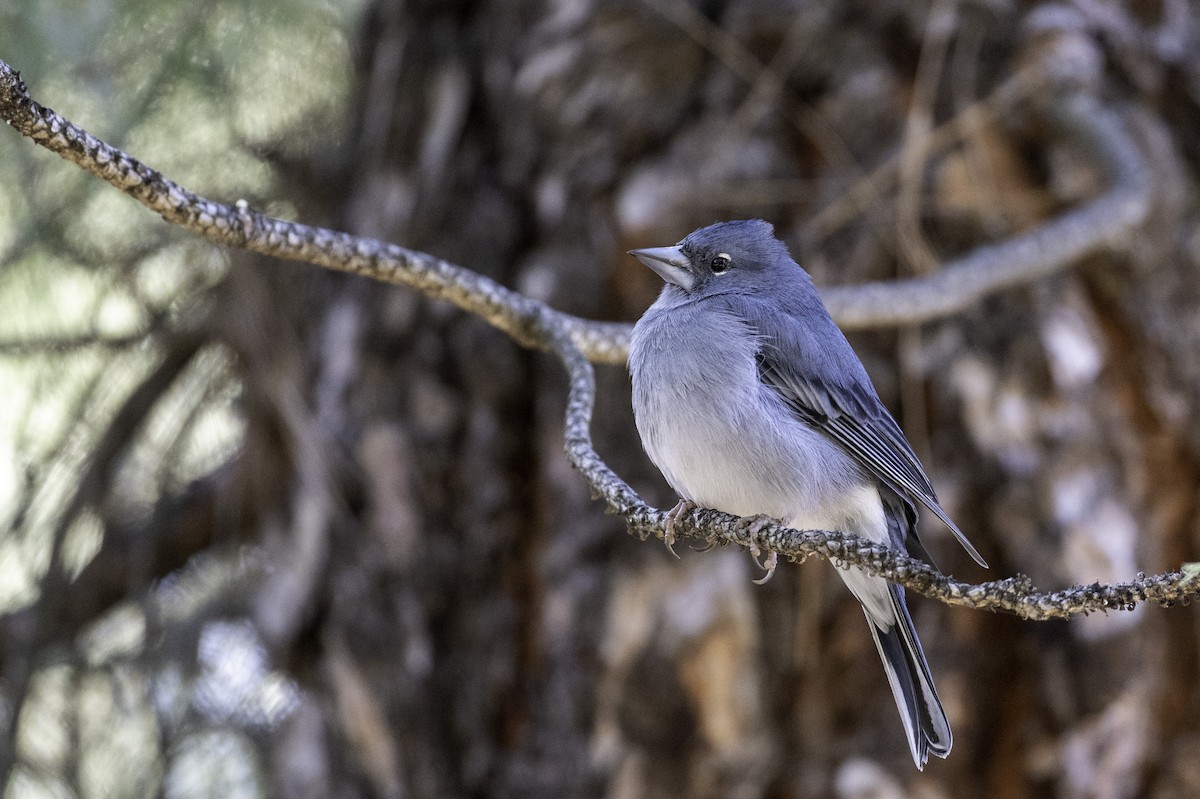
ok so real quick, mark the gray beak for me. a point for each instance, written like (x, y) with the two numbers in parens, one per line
(669, 262)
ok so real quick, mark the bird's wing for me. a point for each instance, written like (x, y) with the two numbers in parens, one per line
(833, 394)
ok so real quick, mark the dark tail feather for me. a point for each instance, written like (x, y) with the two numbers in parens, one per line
(908, 674)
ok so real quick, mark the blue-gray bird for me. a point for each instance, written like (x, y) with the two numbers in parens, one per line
(749, 400)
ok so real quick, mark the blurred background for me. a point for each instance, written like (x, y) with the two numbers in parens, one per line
(272, 531)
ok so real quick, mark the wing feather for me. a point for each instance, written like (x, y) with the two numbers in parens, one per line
(850, 413)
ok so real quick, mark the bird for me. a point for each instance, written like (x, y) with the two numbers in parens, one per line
(750, 400)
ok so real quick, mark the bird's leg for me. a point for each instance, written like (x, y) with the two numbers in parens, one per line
(681, 507)
(752, 525)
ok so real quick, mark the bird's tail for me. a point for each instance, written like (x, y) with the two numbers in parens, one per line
(908, 674)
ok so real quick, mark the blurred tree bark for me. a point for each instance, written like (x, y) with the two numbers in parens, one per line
(463, 621)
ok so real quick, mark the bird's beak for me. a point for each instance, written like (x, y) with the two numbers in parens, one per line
(669, 262)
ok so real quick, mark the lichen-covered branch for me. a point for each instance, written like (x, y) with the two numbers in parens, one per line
(1102, 223)
(1014, 594)
(240, 226)
(1079, 119)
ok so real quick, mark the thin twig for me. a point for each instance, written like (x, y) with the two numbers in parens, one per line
(939, 26)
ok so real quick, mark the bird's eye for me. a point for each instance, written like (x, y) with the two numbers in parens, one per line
(720, 263)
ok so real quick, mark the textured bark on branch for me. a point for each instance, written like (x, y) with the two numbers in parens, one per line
(1103, 223)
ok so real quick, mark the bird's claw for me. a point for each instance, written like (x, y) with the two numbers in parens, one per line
(681, 507)
(753, 525)
(769, 566)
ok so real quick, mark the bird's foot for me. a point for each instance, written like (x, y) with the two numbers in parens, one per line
(752, 525)
(681, 507)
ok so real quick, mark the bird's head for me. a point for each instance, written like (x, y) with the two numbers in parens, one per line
(740, 255)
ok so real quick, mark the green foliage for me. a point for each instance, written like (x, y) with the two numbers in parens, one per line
(209, 92)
